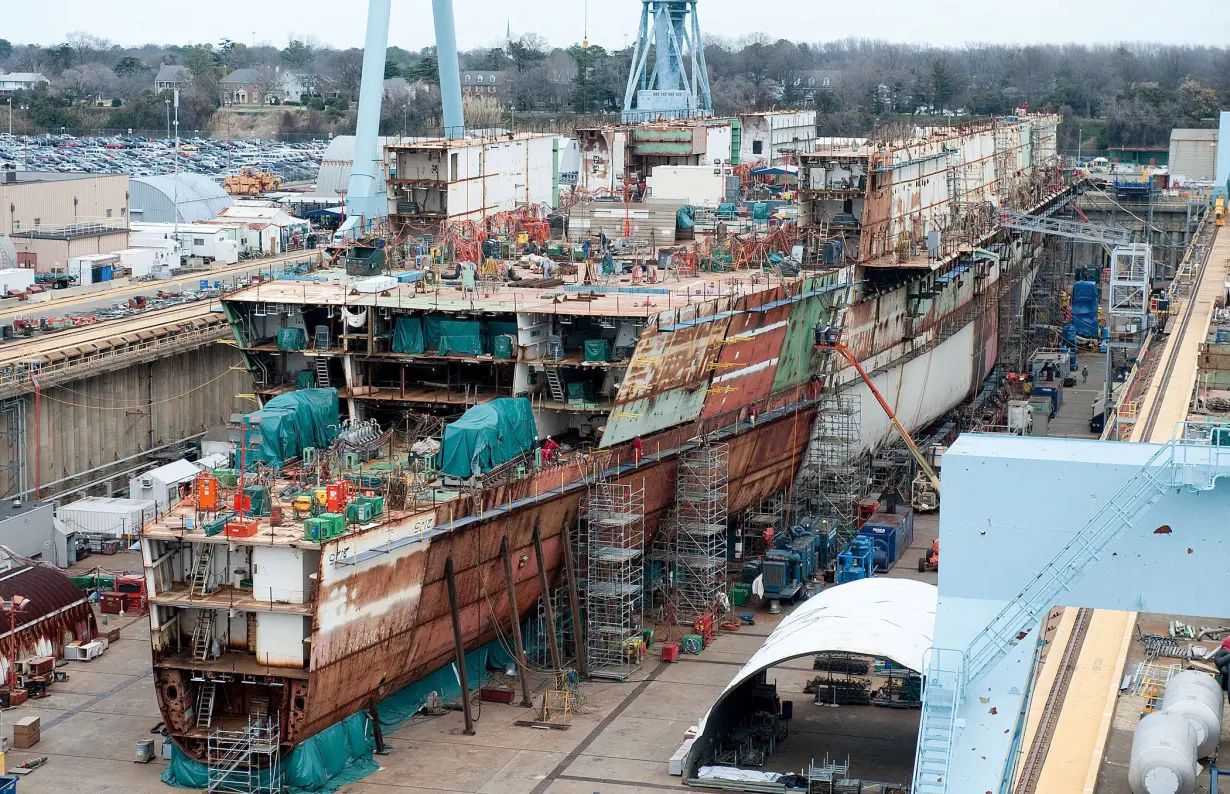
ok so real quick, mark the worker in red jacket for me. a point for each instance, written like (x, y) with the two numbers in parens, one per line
(549, 448)
(637, 444)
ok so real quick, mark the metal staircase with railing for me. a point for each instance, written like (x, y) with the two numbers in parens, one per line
(203, 634)
(202, 567)
(1194, 462)
(555, 384)
(205, 703)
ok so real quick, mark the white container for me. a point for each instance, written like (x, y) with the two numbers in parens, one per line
(16, 279)
(108, 516)
(139, 261)
(1163, 755)
(1197, 696)
(376, 284)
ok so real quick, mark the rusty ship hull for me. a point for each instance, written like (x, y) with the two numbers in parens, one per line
(715, 355)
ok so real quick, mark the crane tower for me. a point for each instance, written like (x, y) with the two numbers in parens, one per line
(669, 79)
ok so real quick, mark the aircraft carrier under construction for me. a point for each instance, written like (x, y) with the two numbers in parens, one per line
(435, 433)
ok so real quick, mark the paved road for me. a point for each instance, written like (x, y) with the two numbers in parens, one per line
(93, 301)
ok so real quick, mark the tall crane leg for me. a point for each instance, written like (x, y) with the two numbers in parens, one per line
(450, 70)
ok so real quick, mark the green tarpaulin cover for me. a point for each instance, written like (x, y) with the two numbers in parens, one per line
(597, 350)
(290, 422)
(342, 754)
(453, 337)
(486, 436)
(306, 379)
(576, 391)
(408, 336)
(502, 346)
(292, 339)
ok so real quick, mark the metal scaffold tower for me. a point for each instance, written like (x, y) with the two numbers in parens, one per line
(1007, 142)
(614, 590)
(833, 468)
(246, 761)
(701, 498)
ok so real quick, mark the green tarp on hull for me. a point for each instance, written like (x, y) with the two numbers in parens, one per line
(290, 422)
(486, 436)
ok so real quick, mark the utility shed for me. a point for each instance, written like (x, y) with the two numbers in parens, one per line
(156, 199)
(161, 485)
(1193, 155)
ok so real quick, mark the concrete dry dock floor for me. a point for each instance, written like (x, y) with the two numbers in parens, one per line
(619, 744)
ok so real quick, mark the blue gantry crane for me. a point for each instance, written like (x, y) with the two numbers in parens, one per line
(669, 79)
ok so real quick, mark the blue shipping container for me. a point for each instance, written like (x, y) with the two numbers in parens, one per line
(891, 532)
(8, 784)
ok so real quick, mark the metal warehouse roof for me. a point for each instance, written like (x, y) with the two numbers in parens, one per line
(882, 617)
(338, 159)
(50, 593)
(153, 198)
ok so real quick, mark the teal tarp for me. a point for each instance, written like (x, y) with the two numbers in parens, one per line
(685, 218)
(290, 422)
(305, 379)
(408, 336)
(453, 337)
(292, 339)
(342, 754)
(597, 350)
(502, 346)
(486, 436)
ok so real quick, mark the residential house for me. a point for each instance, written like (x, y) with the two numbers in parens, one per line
(21, 81)
(807, 84)
(485, 83)
(171, 76)
(265, 86)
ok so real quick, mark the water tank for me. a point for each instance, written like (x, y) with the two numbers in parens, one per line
(8, 253)
(1163, 755)
(1197, 696)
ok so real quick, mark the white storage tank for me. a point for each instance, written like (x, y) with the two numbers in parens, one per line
(1163, 755)
(1197, 696)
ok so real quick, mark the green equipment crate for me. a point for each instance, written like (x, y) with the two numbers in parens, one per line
(315, 530)
(358, 512)
(739, 594)
(377, 503)
(335, 524)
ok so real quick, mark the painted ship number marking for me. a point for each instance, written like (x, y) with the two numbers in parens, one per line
(341, 557)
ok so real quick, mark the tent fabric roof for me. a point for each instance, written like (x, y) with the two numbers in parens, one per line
(890, 618)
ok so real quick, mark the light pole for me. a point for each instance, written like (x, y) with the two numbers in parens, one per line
(1078, 145)
(168, 119)
(10, 101)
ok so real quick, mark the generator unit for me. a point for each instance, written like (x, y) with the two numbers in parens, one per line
(787, 569)
(857, 561)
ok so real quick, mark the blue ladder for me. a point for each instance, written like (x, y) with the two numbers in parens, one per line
(944, 683)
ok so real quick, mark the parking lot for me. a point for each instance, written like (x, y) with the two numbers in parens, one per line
(138, 156)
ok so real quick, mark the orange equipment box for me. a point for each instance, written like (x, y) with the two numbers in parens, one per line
(241, 528)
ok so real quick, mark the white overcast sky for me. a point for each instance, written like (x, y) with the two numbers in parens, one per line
(340, 23)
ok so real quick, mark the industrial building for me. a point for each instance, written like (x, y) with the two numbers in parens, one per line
(1193, 155)
(470, 179)
(777, 136)
(176, 198)
(618, 155)
(54, 217)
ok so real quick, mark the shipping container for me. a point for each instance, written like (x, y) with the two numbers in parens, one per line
(108, 516)
(892, 532)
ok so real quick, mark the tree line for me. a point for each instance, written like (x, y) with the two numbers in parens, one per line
(1128, 94)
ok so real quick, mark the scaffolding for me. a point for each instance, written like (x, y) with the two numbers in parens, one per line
(246, 761)
(701, 497)
(1006, 163)
(614, 589)
(833, 468)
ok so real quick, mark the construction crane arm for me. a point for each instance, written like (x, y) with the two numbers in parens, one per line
(923, 465)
